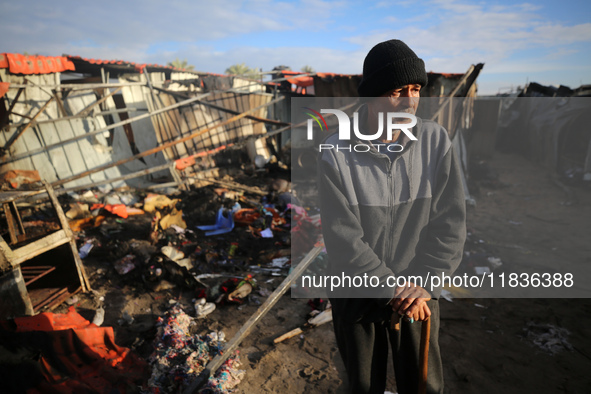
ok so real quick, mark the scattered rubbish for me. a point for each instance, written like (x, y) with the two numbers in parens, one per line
(480, 306)
(85, 249)
(117, 209)
(72, 300)
(224, 223)
(174, 218)
(495, 262)
(154, 202)
(125, 265)
(321, 318)
(280, 262)
(243, 289)
(267, 233)
(99, 317)
(17, 178)
(548, 337)
(81, 224)
(78, 210)
(318, 319)
(180, 356)
(178, 229)
(172, 253)
(203, 308)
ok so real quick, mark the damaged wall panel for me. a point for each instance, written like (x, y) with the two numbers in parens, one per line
(87, 136)
(172, 125)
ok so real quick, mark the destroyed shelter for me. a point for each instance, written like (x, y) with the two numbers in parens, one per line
(79, 124)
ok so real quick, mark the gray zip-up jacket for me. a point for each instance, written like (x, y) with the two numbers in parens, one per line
(386, 218)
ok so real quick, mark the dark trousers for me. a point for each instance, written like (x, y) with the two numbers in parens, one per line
(364, 349)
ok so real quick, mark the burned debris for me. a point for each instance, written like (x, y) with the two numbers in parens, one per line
(167, 214)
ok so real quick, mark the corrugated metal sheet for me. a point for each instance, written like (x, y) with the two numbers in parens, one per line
(79, 114)
(171, 125)
(60, 162)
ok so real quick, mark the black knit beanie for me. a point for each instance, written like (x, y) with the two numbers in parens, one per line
(389, 65)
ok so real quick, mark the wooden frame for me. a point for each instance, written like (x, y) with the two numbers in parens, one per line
(23, 265)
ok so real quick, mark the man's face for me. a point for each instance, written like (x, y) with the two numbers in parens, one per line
(403, 99)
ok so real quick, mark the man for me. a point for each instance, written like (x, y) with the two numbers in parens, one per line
(395, 211)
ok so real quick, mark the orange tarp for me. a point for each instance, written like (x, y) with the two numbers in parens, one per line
(27, 64)
(77, 356)
(4, 88)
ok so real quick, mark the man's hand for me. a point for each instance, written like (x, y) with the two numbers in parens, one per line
(410, 301)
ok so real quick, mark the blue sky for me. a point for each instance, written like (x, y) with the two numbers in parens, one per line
(548, 42)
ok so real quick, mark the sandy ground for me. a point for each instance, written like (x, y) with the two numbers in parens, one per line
(522, 217)
(484, 342)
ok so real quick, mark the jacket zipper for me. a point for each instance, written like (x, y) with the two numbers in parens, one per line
(390, 215)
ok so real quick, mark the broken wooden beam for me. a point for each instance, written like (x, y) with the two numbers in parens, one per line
(4, 120)
(162, 146)
(218, 360)
(231, 185)
(223, 109)
(98, 102)
(16, 135)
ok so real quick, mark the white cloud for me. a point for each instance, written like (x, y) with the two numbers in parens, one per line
(462, 34)
(449, 34)
(52, 28)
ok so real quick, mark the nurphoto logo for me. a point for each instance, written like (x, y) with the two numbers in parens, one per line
(344, 123)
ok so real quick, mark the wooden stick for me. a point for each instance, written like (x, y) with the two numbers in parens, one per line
(32, 122)
(79, 86)
(98, 102)
(395, 321)
(287, 335)
(233, 186)
(137, 174)
(218, 360)
(60, 104)
(424, 355)
(220, 108)
(18, 94)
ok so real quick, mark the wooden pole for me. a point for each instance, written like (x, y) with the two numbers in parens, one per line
(253, 321)
(424, 355)
(79, 86)
(98, 102)
(163, 146)
(220, 108)
(16, 136)
(18, 94)
(137, 174)
(60, 104)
